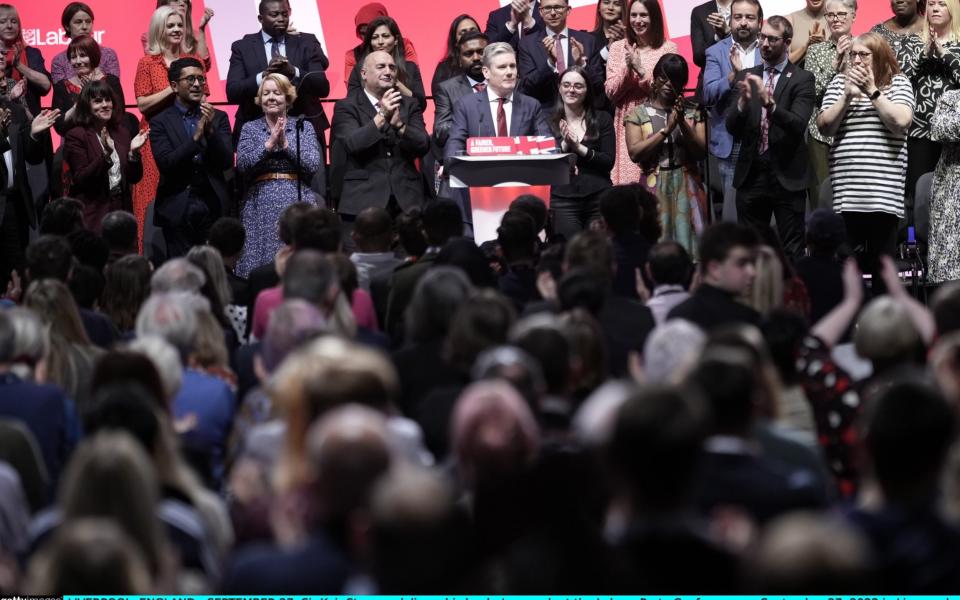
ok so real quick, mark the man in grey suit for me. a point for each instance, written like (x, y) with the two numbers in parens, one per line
(499, 110)
(382, 134)
(470, 52)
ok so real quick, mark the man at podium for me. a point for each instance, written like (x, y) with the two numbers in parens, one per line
(498, 110)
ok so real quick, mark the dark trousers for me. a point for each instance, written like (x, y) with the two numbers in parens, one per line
(762, 196)
(922, 157)
(192, 230)
(871, 235)
(14, 237)
(573, 215)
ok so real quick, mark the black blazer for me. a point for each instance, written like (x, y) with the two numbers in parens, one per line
(496, 30)
(64, 100)
(593, 170)
(248, 59)
(445, 97)
(538, 80)
(702, 34)
(414, 82)
(25, 149)
(795, 98)
(377, 163)
(174, 150)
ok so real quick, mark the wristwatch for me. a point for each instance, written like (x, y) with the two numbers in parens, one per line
(875, 95)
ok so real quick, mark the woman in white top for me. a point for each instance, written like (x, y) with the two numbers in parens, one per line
(868, 110)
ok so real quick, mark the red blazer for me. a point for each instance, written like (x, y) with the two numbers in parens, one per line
(89, 172)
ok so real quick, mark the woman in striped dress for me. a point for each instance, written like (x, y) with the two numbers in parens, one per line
(868, 110)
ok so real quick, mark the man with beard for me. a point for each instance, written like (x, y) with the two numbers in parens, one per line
(470, 50)
(724, 60)
(382, 135)
(769, 118)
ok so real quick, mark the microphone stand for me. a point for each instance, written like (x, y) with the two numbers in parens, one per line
(299, 129)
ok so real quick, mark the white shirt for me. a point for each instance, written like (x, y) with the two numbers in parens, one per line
(373, 99)
(114, 176)
(494, 104)
(268, 50)
(748, 56)
(564, 43)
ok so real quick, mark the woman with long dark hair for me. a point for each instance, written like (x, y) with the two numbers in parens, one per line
(666, 137)
(450, 65)
(383, 35)
(101, 157)
(588, 133)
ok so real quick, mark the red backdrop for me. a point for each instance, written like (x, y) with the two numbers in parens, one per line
(119, 24)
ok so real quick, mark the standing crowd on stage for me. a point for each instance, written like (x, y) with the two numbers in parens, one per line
(271, 358)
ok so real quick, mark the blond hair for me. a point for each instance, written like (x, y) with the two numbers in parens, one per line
(158, 26)
(283, 84)
(767, 291)
(953, 6)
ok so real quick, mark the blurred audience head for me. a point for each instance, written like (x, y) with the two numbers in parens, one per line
(438, 294)
(671, 351)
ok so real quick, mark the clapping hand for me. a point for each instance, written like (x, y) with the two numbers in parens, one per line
(520, 11)
(576, 51)
(635, 61)
(205, 126)
(550, 47)
(14, 287)
(720, 25)
(862, 77)
(139, 140)
(44, 121)
(816, 34)
(278, 135)
(843, 45)
(614, 33)
(566, 132)
(106, 141)
(292, 29)
(390, 102)
(282, 66)
(757, 88)
(736, 63)
(19, 89)
(936, 48)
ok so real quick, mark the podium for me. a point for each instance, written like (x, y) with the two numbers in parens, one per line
(493, 181)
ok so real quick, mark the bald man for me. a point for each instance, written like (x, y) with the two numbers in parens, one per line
(378, 135)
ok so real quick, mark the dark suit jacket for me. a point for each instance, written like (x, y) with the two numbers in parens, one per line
(795, 98)
(248, 59)
(89, 171)
(25, 149)
(378, 163)
(593, 170)
(472, 118)
(445, 96)
(496, 30)
(318, 566)
(174, 151)
(710, 307)
(702, 35)
(538, 80)
(42, 408)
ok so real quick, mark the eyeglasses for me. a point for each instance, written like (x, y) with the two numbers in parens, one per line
(861, 55)
(566, 85)
(773, 39)
(840, 16)
(553, 9)
(192, 79)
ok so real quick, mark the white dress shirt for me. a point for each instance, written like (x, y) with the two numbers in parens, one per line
(748, 55)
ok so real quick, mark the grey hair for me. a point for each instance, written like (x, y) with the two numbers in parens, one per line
(496, 49)
(437, 296)
(850, 5)
(173, 317)
(211, 263)
(291, 324)
(165, 358)
(31, 341)
(177, 275)
(671, 351)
